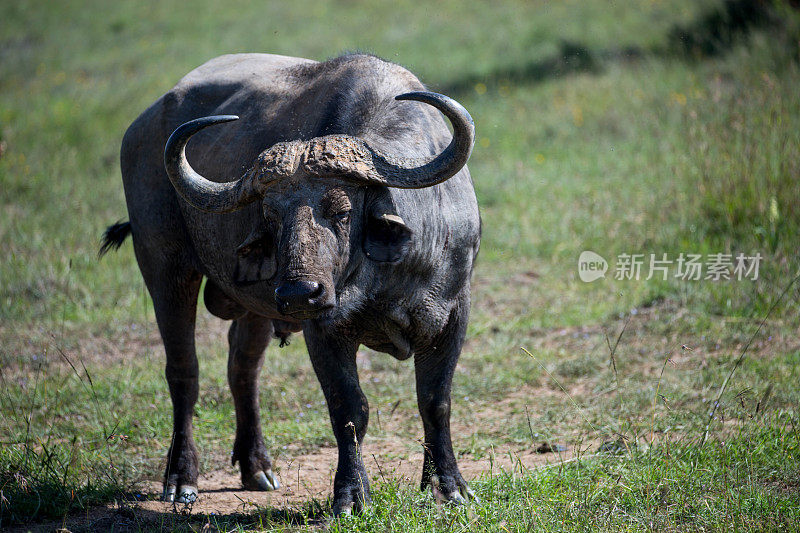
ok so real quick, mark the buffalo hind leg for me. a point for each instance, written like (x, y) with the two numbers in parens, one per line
(248, 338)
(174, 296)
(434, 367)
(334, 361)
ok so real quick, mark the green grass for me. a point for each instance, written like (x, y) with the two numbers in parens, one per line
(666, 487)
(597, 129)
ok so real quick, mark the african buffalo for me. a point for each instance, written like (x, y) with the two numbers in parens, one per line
(338, 204)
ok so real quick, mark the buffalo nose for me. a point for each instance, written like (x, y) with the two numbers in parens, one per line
(298, 296)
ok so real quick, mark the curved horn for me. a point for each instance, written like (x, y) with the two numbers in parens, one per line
(352, 157)
(200, 192)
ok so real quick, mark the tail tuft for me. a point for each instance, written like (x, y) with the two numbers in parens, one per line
(114, 236)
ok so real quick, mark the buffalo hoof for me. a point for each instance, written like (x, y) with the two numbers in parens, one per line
(461, 496)
(348, 509)
(183, 494)
(344, 510)
(264, 480)
(351, 501)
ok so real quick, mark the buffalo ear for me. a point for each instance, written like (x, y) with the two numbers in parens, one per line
(386, 238)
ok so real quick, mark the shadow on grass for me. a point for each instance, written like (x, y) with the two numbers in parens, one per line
(133, 519)
(571, 58)
(717, 30)
(130, 516)
(712, 33)
(41, 489)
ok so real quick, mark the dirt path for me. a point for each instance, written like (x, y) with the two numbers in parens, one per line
(303, 478)
(310, 476)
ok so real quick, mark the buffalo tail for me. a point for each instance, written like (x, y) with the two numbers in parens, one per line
(114, 236)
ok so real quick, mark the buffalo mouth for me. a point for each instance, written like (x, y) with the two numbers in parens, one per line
(319, 313)
(302, 299)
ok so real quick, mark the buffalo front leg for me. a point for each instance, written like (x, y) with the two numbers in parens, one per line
(248, 338)
(175, 303)
(334, 361)
(434, 366)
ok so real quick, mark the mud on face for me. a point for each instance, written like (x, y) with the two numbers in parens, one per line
(313, 223)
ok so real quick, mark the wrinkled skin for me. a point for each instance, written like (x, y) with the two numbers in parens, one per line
(347, 264)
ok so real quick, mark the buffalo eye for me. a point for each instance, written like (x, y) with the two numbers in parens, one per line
(342, 218)
(336, 206)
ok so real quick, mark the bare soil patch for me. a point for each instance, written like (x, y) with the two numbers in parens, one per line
(392, 453)
(304, 478)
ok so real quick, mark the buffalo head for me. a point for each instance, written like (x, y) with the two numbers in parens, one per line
(318, 217)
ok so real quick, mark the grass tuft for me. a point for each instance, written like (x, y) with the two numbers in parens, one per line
(47, 481)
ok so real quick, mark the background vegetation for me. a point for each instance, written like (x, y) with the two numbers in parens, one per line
(633, 127)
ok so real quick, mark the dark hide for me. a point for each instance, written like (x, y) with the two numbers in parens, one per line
(347, 264)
